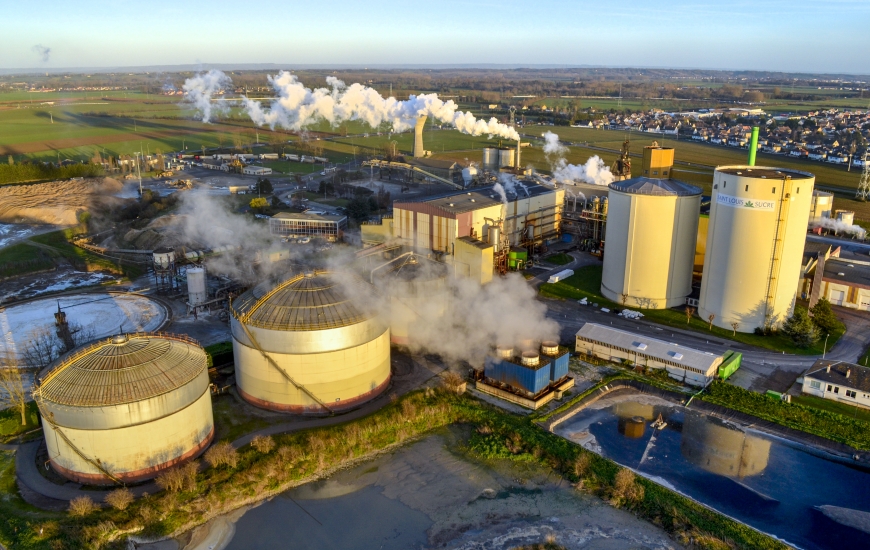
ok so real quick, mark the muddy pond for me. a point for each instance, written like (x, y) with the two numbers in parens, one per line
(778, 487)
(427, 495)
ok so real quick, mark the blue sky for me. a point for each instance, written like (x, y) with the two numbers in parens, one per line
(797, 35)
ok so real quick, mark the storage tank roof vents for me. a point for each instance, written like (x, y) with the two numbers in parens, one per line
(657, 187)
(313, 301)
(122, 369)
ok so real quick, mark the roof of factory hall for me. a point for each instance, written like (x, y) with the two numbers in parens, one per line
(311, 301)
(849, 375)
(458, 202)
(656, 187)
(122, 369)
(308, 216)
(848, 272)
(650, 347)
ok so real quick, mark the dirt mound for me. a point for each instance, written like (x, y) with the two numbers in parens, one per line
(163, 231)
(55, 202)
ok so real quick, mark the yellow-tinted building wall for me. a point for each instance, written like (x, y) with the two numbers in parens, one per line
(377, 233)
(657, 162)
(473, 260)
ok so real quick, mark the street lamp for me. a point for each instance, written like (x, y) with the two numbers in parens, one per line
(825, 350)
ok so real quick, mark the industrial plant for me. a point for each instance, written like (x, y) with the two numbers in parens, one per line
(123, 409)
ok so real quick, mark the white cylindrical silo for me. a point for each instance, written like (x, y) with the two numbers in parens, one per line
(650, 242)
(755, 242)
(196, 288)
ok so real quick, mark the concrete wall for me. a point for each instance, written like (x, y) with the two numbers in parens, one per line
(747, 216)
(650, 249)
(134, 452)
(473, 262)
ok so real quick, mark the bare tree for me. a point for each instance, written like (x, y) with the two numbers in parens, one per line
(43, 347)
(12, 390)
(689, 312)
(710, 318)
(735, 326)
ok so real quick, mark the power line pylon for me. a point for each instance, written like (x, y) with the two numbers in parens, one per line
(864, 185)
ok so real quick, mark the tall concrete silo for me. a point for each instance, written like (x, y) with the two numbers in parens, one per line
(650, 242)
(755, 241)
(419, 151)
(197, 291)
(309, 344)
(125, 408)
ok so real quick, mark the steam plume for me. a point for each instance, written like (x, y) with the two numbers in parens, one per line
(43, 52)
(594, 171)
(198, 91)
(296, 106)
(839, 227)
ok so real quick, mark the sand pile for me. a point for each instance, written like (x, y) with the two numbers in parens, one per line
(55, 202)
(163, 231)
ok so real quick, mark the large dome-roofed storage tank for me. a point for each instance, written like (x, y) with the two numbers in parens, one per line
(755, 243)
(125, 408)
(650, 242)
(308, 344)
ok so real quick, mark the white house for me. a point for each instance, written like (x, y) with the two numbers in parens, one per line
(839, 381)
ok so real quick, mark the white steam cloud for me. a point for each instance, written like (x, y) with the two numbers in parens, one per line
(43, 52)
(198, 92)
(594, 171)
(839, 227)
(458, 318)
(296, 107)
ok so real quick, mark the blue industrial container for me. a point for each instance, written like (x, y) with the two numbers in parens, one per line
(558, 367)
(530, 379)
(567, 238)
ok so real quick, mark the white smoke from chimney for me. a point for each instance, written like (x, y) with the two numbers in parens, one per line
(839, 227)
(594, 171)
(199, 89)
(297, 106)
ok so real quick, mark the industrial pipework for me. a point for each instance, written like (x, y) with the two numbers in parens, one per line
(753, 146)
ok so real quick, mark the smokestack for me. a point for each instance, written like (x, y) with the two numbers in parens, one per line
(519, 150)
(753, 146)
(418, 137)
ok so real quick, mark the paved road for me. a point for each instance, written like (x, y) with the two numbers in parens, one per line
(761, 369)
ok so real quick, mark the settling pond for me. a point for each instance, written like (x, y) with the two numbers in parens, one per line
(766, 482)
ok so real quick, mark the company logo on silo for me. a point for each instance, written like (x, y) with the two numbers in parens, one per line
(737, 202)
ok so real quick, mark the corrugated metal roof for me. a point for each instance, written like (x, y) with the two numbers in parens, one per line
(122, 370)
(312, 301)
(657, 349)
(657, 187)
